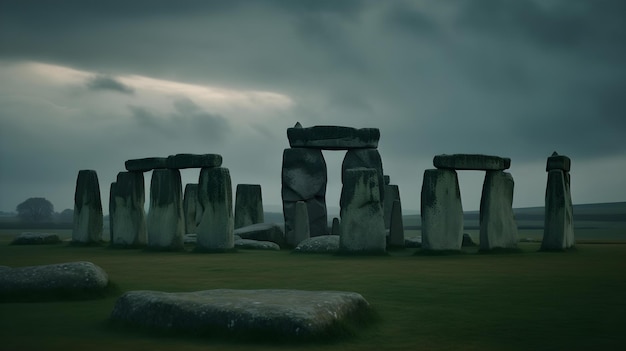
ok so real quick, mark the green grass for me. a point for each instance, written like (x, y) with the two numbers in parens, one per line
(529, 300)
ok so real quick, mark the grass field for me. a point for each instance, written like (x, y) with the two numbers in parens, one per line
(530, 300)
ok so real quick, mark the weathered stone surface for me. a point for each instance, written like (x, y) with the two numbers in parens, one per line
(248, 205)
(497, 221)
(165, 216)
(392, 193)
(283, 313)
(387, 179)
(190, 238)
(333, 137)
(215, 195)
(190, 208)
(301, 225)
(126, 210)
(263, 232)
(250, 244)
(415, 241)
(396, 230)
(88, 218)
(467, 241)
(182, 161)
(319, 244)
(64, 277)
(471, 162)
(557, 161)
(146, 164)
(558, 231)
(362, 224)
(28, 238)
(441, 210)
(367, 158)
(304, 179)
(335, 228)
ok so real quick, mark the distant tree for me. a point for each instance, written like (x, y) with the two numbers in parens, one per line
(35, 209)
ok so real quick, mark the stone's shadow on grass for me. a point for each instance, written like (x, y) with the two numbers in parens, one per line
(200, 250)
(163, 249)
(361, 253)
(440, 253)
(89, 244)
(568, 250)
(54, 295)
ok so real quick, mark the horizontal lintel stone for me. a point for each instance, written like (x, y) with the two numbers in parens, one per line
(472, 162)
(333, 137)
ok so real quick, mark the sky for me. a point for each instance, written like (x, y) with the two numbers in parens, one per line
(91, 84)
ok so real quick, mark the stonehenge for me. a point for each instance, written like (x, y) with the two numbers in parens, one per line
(88, 217)
(558, 228)
(191, 208)
(126, 212)
(301, 225)
(165, 216)
(248, 205)
(215, 195)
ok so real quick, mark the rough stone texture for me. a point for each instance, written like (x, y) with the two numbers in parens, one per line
(471, 162)
(146, 164)
(215, 195)
(441, 210)
(182, 161)
(497, 221)
(304, 179)
(28, 238)
(335, 228)
(65, 277)
(362, 225)
(333, 137)
(126, 210)
(88, 216)
(366, 158)
(248, 205)
(190, 208)
(387, 179)
(263, 232)
(319, 244)
(413, 242)
(396, 231)
(467, 241)
(558, 231)
(165, 216)
(392, 194)
(190, 238)
(283, 313)
(256, 245)
(557, 161)
(301, 225)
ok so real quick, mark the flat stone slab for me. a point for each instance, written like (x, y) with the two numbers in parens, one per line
(249, 244)
(28, 238)
(319, 244)
(333, 137)
(471, 162)
(283, 313)
(145, 164)
(178, 161)
(262, 232)
(63, 277)
(557, 161)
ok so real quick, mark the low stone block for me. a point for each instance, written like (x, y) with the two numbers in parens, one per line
(471, 162)
(557, 161)
(333, 138)
(319, 244)
(146, 164)
(28, 238)
(250, 244)
(182, 161)
(263, 232)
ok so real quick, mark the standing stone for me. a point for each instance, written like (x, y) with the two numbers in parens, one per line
(335, 229)
(88, 216)
(365, 158)
(396, 230)
(362, 225)
(126, 213)
(165, 216)
(111, 210)
(392, 193)
(558, 228)
(497, 222)
(215, 195)
(190, 208)
(301, 225)
(441, 210)
(304, 179)
(248, 205)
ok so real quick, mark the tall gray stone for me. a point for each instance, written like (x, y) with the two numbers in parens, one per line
(392, 193)
(497, 221)
(304, 179)
(165, 216)
(365, 158)
(215, 195)
(126, 210)
(441, 210)
(558, 228)
(248, 205)
(88, 216)
(301, 225)
(396, 229)
(335, 228)
(471, 162)
(190, 208)
(362, 224)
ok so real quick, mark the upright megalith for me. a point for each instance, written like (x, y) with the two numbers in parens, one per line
(88, 216)
(304, 179)
(301, 230)
(498, 229)
(126, 210)
(396, 229)
(248, 205)
(558, 231)
(392, 194)
(362, 224)
(335, 228)
(215, 195)
(165, 216)
(365, 158)
(190, 208)
(441, 211)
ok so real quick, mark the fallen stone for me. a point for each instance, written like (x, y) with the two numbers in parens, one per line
(28, 238)
(215, 195)
(498, 229)
(467, 241)
(471, 162)
(333, 138)
(182, 161)
(256, 245)
(263, 232)
(126, 210)
(319, 244)
(295, 314)
(165, 217)
(88, 217)
(413, 242)
(557, 161)
(248, 205)
(146, 164)
(441, 210)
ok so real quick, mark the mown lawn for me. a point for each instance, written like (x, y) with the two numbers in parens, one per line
(530, 300)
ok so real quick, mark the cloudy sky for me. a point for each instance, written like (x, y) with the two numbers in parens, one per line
(90, 84)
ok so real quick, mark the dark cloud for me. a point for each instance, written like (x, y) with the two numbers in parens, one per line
(101, 82)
